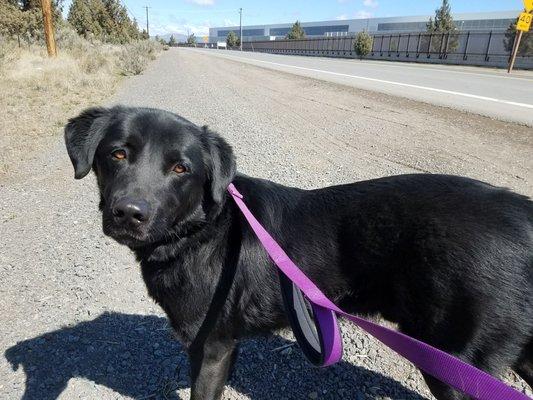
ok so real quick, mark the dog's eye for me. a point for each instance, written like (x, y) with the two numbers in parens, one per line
(179, 169)
(119, 154)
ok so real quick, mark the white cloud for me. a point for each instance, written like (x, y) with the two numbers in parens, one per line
(202, 2)
(182, 27)
(363, 14)
(370, 3)
(341, 17)
(229, 22)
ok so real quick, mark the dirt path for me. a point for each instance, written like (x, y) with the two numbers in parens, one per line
(75, 317)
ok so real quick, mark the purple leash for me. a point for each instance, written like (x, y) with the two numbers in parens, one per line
(443, 366)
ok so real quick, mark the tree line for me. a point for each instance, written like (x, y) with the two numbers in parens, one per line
(104, 20)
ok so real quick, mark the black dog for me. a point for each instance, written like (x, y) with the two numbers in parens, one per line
(449, 259)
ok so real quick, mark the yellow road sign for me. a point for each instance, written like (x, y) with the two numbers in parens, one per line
(528, 4)
(524, 22)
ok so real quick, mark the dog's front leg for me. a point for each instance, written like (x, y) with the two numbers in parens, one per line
(211, 364)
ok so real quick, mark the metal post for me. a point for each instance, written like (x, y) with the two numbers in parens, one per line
(399, 42)
(407, 49)
(418, 45)
(48, 28)
(488, 47)
(447, 45)
(240, 28)
(515, 51)
(441, 44)
(381, 46)
(429, 45)
(465, 56)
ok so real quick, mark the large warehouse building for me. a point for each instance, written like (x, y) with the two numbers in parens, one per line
(487, 21)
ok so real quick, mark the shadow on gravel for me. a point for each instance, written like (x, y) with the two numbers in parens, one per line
(135, 356)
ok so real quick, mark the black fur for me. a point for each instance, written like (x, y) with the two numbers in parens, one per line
(449, 259)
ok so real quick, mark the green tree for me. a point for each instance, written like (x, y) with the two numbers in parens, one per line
(231, 39)
(107, 20)
(362, 44)
(443, 19)
(191, 40)
(296, 32)
(11, 20)
(23, 19)
(526, 44)
(172, 41)
(443, 23)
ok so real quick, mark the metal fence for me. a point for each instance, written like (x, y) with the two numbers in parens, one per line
(480, 48)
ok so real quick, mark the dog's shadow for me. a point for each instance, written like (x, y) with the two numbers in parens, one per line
(135, 356)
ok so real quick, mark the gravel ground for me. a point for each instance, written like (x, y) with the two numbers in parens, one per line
(75, 319)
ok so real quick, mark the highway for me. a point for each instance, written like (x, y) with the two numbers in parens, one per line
(484, 91)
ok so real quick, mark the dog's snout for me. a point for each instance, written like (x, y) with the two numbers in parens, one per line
(133, 211)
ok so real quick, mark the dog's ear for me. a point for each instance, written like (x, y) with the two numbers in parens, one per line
(221, 164)
(82, 136)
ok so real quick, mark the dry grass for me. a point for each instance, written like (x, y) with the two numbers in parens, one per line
(39, 94)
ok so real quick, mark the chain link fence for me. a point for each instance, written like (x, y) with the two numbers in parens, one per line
(475, 48)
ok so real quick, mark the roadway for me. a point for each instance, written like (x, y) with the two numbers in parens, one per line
(484, 91)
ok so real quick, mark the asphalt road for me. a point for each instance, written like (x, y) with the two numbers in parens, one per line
(488, 92)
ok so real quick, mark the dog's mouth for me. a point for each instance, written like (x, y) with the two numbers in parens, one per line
(129, 239)
(133, 238)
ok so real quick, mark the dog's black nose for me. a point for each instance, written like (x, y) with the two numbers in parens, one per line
(132, 211)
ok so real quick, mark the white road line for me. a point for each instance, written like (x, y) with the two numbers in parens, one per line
(395, 64)
(427, 88)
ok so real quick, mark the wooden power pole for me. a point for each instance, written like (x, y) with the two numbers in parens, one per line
(49, 28)
(240, 29)
(147, 22)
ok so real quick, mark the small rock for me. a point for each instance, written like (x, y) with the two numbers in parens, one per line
(313, 395)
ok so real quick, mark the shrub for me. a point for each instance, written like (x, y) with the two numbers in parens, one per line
(9, 52)
(134, 58)
(362, 44)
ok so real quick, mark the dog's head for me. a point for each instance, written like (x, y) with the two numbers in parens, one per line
(156, 171)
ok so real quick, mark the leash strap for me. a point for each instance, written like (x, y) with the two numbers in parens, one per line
(443, 366)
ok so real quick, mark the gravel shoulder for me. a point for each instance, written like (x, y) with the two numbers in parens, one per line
(76, 321)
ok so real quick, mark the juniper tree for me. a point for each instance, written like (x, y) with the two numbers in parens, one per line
(443, 23)
(296, 32)
(526, 44)
(231, 39)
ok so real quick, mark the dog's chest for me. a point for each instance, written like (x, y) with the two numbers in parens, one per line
(183, 293)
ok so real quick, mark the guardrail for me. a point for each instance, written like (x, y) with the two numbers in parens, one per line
(478, 48)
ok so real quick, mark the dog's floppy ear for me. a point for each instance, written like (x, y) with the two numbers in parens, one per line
(221, 164)
(82, 136)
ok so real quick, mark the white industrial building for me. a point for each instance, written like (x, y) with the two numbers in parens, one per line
(497, 21)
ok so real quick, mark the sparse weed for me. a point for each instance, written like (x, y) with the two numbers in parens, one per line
(39, 93)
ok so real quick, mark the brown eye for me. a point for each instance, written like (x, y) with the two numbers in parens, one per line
(179, 169)
(119, 154)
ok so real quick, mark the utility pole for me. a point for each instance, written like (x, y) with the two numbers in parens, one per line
(147, 24)
(48, 28)
(240, 28)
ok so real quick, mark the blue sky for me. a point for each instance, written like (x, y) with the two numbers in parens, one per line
(196, 16)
